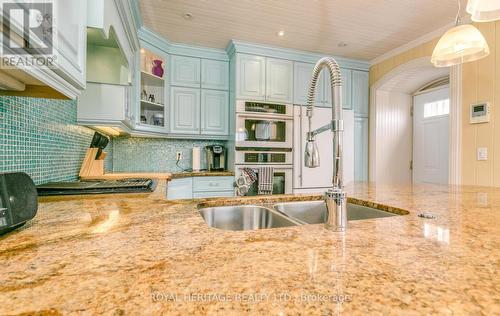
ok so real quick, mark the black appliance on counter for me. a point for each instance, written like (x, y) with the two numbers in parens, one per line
(216, 157)
(97, 187)
(18, 200)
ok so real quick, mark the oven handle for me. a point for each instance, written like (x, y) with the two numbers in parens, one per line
(278, 168)
(265, 116)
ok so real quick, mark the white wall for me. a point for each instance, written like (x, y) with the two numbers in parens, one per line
(393, 134)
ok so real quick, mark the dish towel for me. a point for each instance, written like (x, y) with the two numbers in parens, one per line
(266, 175)
(243, 182)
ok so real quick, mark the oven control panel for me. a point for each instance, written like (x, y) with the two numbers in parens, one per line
(265, 158)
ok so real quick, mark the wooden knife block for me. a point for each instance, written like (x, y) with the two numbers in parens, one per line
(91, 166)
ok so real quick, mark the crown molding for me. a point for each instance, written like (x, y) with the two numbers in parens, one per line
(417, 42)
(158, 41)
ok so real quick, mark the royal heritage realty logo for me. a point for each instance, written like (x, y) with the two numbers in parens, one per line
(28, 34)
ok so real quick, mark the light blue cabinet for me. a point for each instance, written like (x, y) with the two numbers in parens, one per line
(200, 187)
(185, 113)
(302, 77)
(196, 111)
(324, 89)
(214, 112)
(346, 88)
(360, 92)
(251, 77)
(360, 149)
(211, 184)
(185, 71)
(179, 189)
(279, 80)
(214, 74)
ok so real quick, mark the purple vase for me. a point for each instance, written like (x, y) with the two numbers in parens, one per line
(157, 68)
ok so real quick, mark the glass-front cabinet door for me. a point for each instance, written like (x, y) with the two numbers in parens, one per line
(152, 94)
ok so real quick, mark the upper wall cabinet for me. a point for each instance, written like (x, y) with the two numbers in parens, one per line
(279, 80)
(214, 112)
(199, 112)
(346, 88)
(185, 71)
(72, 39)
(199, 99)
(195, 73)
(264, 79)
(214, 74)
(360, 92)
(67, 72)
(185, 114)
(113, 69)
(302, 75)
(251, 77)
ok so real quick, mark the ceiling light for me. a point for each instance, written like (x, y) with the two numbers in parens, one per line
(187, 16)
(484, 10)
(461, 44)
(281, 33)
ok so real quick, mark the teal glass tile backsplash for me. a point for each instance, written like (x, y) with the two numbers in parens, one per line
(155, 154)
(40, 137)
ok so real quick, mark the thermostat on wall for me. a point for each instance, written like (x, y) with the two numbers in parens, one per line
(480, 113)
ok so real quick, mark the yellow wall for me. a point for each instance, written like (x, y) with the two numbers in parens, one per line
(480, 82)
(377, 71)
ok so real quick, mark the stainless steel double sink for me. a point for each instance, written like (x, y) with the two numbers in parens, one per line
(251, 217)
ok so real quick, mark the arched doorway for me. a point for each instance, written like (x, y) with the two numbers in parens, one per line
(391, 120)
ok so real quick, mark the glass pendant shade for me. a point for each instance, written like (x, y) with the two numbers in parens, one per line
(484, 10)
(461, 44)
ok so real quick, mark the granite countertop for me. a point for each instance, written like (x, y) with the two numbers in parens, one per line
(130, 175)
(190, 174)
(141, 254)
(160, 175)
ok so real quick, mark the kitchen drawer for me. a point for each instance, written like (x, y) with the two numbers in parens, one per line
(211, 184)
(203, 195)
(180, 189)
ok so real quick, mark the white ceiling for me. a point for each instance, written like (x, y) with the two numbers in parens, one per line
(369, 27)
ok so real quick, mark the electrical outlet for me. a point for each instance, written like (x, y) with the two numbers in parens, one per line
(178, 156)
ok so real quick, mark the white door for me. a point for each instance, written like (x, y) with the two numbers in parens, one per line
(431, 137)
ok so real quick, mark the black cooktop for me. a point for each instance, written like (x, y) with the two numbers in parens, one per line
(97, 187)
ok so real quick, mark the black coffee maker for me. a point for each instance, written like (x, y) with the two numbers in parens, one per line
(216, 157)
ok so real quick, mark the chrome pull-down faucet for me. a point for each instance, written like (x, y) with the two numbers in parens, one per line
(335, 198)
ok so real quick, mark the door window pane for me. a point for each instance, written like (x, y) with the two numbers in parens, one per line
(437, 108)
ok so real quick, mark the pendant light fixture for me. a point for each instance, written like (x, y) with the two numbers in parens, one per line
(461, 44)
(484, 10)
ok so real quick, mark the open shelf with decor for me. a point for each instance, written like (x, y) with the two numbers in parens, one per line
(152, 93)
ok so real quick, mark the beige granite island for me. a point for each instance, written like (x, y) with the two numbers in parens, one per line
(143, 255)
